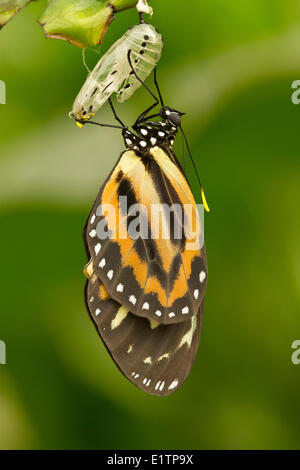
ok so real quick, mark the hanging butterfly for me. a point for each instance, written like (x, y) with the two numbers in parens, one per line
(112, 74)
(145, 293)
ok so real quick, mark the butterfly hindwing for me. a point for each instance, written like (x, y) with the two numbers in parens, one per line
(156, 277)
(156, 358)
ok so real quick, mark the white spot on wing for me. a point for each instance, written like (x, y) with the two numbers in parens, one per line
(147, 360)
(120, 287)
(188, 336)
(110, 274)
(93, 233)
(97, 311)
(143, 143)
(132, 299)
(153, 140)
(97, 248)
(102, 263)
(145, 306)
(173, 384)
(163, 356)
(157, 385)
(120, 316)
(185, 310)
(171, 314)
(158, 313)
(144, 132)
(93, 218)
(202, 276)
(196, 293)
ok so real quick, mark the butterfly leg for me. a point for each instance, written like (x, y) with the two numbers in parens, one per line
(114, 113)
(157, 87)
(142, 116)
(81, 123)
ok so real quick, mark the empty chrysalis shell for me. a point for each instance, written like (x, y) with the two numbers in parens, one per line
(113, 74)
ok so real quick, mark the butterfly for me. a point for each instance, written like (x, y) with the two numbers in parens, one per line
(112, 74)
(145, 288)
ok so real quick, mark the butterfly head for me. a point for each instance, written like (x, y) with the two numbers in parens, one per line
(171, 115)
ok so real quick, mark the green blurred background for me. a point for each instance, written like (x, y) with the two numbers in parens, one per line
(230, 66)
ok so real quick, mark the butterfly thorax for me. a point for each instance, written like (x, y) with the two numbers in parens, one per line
(150, 134)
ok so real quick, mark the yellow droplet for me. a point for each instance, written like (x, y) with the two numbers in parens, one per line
(79, 124)
(204, 201)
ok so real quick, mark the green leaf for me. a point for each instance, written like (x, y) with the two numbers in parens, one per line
(81, 22)
(119, 5)
(8, 9)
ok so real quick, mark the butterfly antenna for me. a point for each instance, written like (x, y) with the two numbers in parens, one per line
(157, 87)
(183, 154)
(196, 171)
(80, 123)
